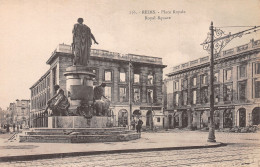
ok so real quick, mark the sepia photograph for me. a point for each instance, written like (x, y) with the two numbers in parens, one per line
(129, 83)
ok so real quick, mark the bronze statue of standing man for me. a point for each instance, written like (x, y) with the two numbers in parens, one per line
(82, 43)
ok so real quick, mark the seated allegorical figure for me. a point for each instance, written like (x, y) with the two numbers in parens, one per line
(101, 102)
(59, 103)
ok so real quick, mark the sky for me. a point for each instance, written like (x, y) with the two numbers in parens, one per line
(32, 29)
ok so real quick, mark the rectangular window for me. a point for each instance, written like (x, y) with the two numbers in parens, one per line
(185, 84)
(257, 89)
(48, 81)
(122, 76)
(194, 81)
(228, 75)
(204, 95)
(194, 97)
(242, 71)
(122, 95)
(185, 98)
(149, 96)
(216, 93)
(242, 91)
(257, 68)
(228, 92)
(108, 75)
(137, 95)
(216, 79)
(158, 120)
(204, 79)
(150, 80)
(176, 86)
(108, 92)
(136, 78)
(177, 99)
(54, 79)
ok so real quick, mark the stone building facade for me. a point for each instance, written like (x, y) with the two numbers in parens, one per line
(236, 90)
(18, 113)
(140, 75)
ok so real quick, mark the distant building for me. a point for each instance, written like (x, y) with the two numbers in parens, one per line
(113, 69)
(22, 112)
(18, 113)
(11, 116)
(3, 115)
(236, 90)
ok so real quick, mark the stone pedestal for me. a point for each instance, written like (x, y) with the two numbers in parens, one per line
(79, 86)
(78, 122)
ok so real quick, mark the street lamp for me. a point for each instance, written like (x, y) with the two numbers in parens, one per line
(130, 66)
(214, 43)
(152, 114)
(211, 137)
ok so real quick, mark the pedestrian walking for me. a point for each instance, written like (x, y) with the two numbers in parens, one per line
(13, 127)
(133, 124)
(139, 126)
(7, 128)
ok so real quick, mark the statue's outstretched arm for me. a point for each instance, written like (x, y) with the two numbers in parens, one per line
(92, 36)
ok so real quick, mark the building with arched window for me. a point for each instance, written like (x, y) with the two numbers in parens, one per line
(133, 83)
(236, 90)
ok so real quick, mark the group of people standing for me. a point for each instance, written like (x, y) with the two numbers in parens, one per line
(11, 128)
(137, 125)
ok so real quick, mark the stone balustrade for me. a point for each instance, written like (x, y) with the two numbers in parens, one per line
(112, 55)
(226, 53)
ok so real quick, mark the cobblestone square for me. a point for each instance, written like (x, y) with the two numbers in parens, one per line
(241, 150)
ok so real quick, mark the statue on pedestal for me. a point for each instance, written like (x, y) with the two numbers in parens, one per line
(81, 47)
(59, 103)
(101, 102)
(82, 43)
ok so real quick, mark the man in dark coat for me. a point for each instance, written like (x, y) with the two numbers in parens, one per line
(139, 126)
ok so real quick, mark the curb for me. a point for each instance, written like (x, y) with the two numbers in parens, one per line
(88, 153)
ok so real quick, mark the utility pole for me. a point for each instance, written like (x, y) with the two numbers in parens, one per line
(211, 137)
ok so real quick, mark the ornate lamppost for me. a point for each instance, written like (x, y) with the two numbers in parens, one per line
(214, 43)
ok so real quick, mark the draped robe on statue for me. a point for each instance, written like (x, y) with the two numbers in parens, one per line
(82, 44)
